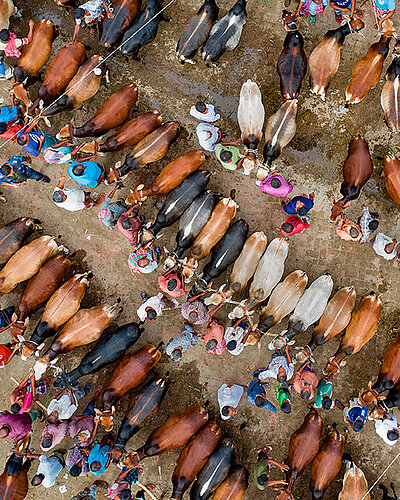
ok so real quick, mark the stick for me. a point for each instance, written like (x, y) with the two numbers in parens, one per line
(37, 402)
(146, 490)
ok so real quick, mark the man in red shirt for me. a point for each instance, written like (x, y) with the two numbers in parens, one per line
(294, 225)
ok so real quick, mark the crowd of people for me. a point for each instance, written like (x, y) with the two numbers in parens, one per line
(91, 454)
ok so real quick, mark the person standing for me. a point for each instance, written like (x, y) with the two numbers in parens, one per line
(110, 211)
(228, 399)
(276, 185)
(323, 395)
(10, 44)
(348, 230)
(73, 199)
(257, 396)
(280, 367)
(355, 414)
(64, 405)
(305, 382)
(383, 10)
(387, 429)
(181, 344)
(384, 246)
(299, 205)
(262, 470)
(368, 223)
(34, 142)
(283, 397)
(53, 434)
(100, 456)
(312, 8)
(228, 156)
(48, 470)
(90, 12)
(86, 173)
(15, 172)
(347, 7)
(15, 425)
(294, 225)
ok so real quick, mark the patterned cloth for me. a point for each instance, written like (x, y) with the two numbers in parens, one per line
(309, 7)
(21, 172)
(93, 9)
(77, 456)
(183, 342)
(364, 221)
(11, 46)
(142, 253)
(278, 360)
(57, 156)
(384, 7)
(198, 307)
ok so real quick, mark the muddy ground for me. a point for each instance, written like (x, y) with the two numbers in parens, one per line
(313, 161)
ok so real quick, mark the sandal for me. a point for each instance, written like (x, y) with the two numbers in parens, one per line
(312, 19)
(359, 13)
(338, 17)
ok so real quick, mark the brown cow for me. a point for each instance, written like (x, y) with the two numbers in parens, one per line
(129, 373)
(303, 447)
(169, 178)
(391, 169)
(326, 465)
(175, 432)
(357, 169)
(368, 69)
(361, 329)
(193, 457)
(355, 485)
(13, 236)
(235, 485)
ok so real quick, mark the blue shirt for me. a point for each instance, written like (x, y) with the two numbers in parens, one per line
(91, 175)
(256, 389)
(99, 454)
(356, 412)
(344, 4)
(290, 208)
(8, 113)
(32, 146)
(115, 208)
(21, 171)
(386, 4)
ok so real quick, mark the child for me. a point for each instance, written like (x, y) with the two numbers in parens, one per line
(312, 8)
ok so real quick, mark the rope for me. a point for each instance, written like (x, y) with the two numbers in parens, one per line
(380, 477)
(91, 71)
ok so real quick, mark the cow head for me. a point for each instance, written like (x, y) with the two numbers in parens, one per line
(338, 209)
(106, 418)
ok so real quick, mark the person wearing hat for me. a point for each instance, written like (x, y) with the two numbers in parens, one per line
(262, 469)
(387, 429)
(355, 414)
(299, 205)
(205, 112)
(90, 12)
(229, 397)
(73, 199)
(368, 223)
(182, 343)
(228, 156)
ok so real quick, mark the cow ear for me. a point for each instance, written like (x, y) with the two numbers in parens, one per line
(347, 204)
(98, 412)
(14, 318)
(335, 198)
(370, 384)
(26, 322)
(113, 410)
(131, 190)
(343, 363)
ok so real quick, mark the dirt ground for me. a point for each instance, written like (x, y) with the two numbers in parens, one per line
(313, 161)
